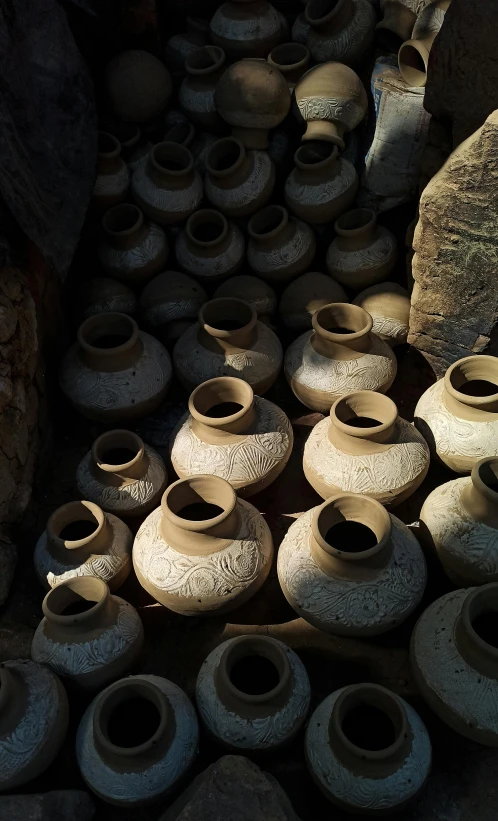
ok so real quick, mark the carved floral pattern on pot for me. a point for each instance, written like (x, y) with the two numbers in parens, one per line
(204, 68)
(113, 176)
(247, 28)
(280, 247)
(103, 295)
(210, 248)
(132, 250)
(238, 182)
(166, 186)
(389, 306)
(341, 31)
(332, 100)
(363, 253)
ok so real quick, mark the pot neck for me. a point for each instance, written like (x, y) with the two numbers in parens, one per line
(315, 161)
(335, 20)
(13, 698)
(207, 232)
(363, 422)
(233, 399)
(331, 131)
(291, 59)
(466, 383)
(351, 341)
(123, 225)
(79, 605)
(170, 165)
(216, 315)
(72, 519)
(479, 611)
(229, 162)
(356, 229)
(480, 496)
(109, 458)
(96, 336)
(271, 227)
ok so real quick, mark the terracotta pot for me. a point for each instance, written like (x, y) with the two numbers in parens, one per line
(139, 86)
(341, 30)
(184, 43)
(363, 253)
(215, 563)
(321, 186)
(280, 247)
(210, 248)
(458, 416)
(169, 304)
(103, 295)
(82, 540)
(33, 721)
(204, 68)
(365, 447)
(332, 100)
(113, 177)
(258, 294)
(413, 56)
(351, 568)
(367, 750)
(136, 740)
(398, 19)
(454, 661)
(228, 341)
(252, 97)
(231, 433)
(292, 60)
(246, 28)
(132, 249)
(86, 634)
(253, 693)
(134, 145)
(307, 294)
(122, 474)
(198, 142)
(166, 186)
(238, 182)
(340, 355)
(115, 371)
(300, 29)
(389, 306)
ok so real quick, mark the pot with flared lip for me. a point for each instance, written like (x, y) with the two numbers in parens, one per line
(166, 186)
(238, 182)
(169, 304)
(363, 253)
(210, 248)
(280, 247)
(113, 177)
(331, 100)
(413, 55)
(322, 185)
(132, 250)
(204, 68)
(292, 60)
(340, 30)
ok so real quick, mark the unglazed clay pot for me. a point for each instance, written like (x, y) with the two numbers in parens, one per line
(367, 750)
(247, 28)
(86, 634)
(122, 474)
(253, 693)
(363, 252)
(365, 447)
(139, 86)
(210, 248)
(307, 294)
(280, 247)
(203, 551)
(166, 186)
(252, 97)
(132, 250)
(389, 306)
(351, 568)
(115, 371)
(113, 176)
(398, 19)
(184, 43)
(204, 68)
(238, 182)
(103, 295)
(33, 721)
(197, 142)
(228, 341)
(134, 145)
(454, 660)
(169, 304)
(231, 433)
(135, 741)
(413, 56)
(340, 355)
(300, 29)
(340, 30)
(82, 540)
(258, 294)
(321, 186)
(292, 60)
(332, 100)
(458, 416)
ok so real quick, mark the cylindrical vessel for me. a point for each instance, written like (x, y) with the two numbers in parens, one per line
(331, 100)
(238, 182)
(166, 186)
(210, 248)
(292, 60)
(204, 68)
(169, 304)
(363, 252)
(305, 295)
(257, 293)
(280, 247)
(132, 250)
(113, 176)
(246, 28)
(413, 56)
(342, 31)
(139, 86)
(321, 186)
(389, 306)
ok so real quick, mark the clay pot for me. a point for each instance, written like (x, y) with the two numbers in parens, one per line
(198, 142)
(86, 634)
(132, 250)
(367, 750)
(217, 548)
(398, 19)
(210, 248)
(204, 68)
(458, 416)
(103, 295)
(113, 176)
(228, 341)
(231, 433)
(389, 306)
(292, 60)
(280, 247)
(321, 186)
(365, 447)
(300, 29)
(115, 371)
(33, 721)
(139, 86)
(332, 100)
(258, 294)
(340, 355)
(122, 474)
(184, 43)
(166, 186)
(307, 294)
(342, 30)
(350, 568)
(238, 182)
(454, 660)
(413, 56)
(134, 145)
(82, 540)
(253, 693)
(136, 740)
(363, 253)
(169, 304)
(252, 97)
(246, 28)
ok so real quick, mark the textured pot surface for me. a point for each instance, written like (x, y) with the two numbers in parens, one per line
(389, 306)
(321, 186)
(210, 248)
(332, 100)
(238, 182)
(363, 253)
(342, 31)
(247, 29)
(169, 304)
(131, 250)
(280, 247)
(166, 186)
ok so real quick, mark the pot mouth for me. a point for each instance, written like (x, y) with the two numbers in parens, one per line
(318, 12)
(412, 61)
(127, 134)
(198, 503)
(267, 223)
(131, 717)
(254, 669)
(181, 133)
(289, 56)
(117, 450)
(226, 316)
(473, 380)
(75, 601)
(108, 146)
(485, 478)
(341, 322)
(369, 722)
(221, 401)
(364, 413)
(314, 155)
(172, 158)
(108, 334)
(207, 227)
(479, 616)
(356, 222)
(204, 61)
(122, 220)
(351, 527)
(225, 156)
(75, 524)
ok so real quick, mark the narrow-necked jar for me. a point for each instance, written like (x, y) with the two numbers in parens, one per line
(413, 56)
(257, 293)
(396, 25)
(210, 248)
(332, 100)
(113, 176)
(280, 247)
(169, 304)
(389, 306)
(132, 249)
(134, 143)
(204, 68)
(305, 295)
(292, 60)
(246, 28)
(363, 252)
(184, 43)
(239, 182)
(322, 185)
(341, 31)
(103, 295)
(166, 186)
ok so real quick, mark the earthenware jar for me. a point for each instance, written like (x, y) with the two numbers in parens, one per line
(217, 548)
(458, 415)
(292, 60)
(321, 186)
(166, 186)
(238, 182)
(82, 540)
(367, 749)
(136, 740)
(305, 295)
(204, 68)
(104, 295)
(351, 568)
(197, 142)
(365, 447)
(139, 86)
(122, 474)
(258, 294)
(300, 29)
(113, 176)
(115, 371)
(134, 145)
(363, 252)
(341, 31)
(184, 43)
(332, 100)
(398, 19)
(280, 247)
(340, 355)
(413, 56)
(246, 28)
(86, 634)
(132, 249)
(169, 304)
(253, 693)
(228, 340)
(210, 248)
(454, 660)
(389, 306)
(231, 433)
(33, 721)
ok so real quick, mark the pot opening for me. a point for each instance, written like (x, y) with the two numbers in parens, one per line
(475, 376)
(223, 409)
(224, 154)
(75, 597)
(132, 722)
(172, 157)
(486, 626)
(315, 152)
(350, 537)
(369, 728)
(199, 511)
(478, 387)
(77, 607)
(364, 409)
(118, 456)
(107, 144)
(488, 474)
(75, 531)
(227, 314)
(121, 218)
(221, 398)
(412, 65)
(363, 422)
(339, 318)
(254, 675)
(267, 220)
(318, 9)
(289, 54)
(352, 220)
(199, 499)
(207, 228)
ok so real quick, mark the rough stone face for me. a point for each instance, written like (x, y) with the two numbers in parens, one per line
(8, 558)
(60, 805)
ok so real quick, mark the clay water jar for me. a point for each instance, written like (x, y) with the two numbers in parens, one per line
(340, 30)
(139, 86)
(322, 186)
(413, 56)
(132, 250)
(134, 145)
(280, 247)
(331, 100)
(238, 182)
(396, 25)
(169, 304)
(257, 293)
(166, 186)
(113, 177)
(204, 68)
(363, 253)
(247, 28)
(103, 295)
(305, 295)
(292, 60)
(197, 142)
(184, 43)
(389, 306)
(210, 248)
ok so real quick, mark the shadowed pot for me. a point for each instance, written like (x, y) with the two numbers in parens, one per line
(247, 28)
(363, 252)
(292, 60)
(113, 176)
(331, 100)
(305, 295)
(204, 68)
(389, 306)
(139, 86)
(210, 248)
(166, 186)
(322, 185)
(413, 56)
(280, 247)
(169, 304)
(238, 182)
(103, 295)
(340, 30)
(134, 145)
(396, 25)
(131, 250)
(257, 293)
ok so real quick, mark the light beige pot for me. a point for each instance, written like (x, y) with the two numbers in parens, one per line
(413, 56)
(331, 100)
(389, 306)
(306, 295)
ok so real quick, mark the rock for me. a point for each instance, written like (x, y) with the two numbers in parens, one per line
(59, 805)
(8, 559)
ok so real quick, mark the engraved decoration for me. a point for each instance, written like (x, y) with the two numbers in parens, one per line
(361, 259)
(121, 303)
(267, 260)
(129, 263)
(228, 259)
(390, 327)
(112, 186)
(246, 29)
(322, 191)
(231, 200)
(347, 44)
(174, 202)
(345, 111)
(197, 99)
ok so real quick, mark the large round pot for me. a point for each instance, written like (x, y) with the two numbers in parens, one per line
(166, 186)
(389, 306)
(139, 86)
(332, 100)
(132, 249)
(238, 182)
(210, 248)
(340, 30)
(363, 253)
(247, 28)
(280, 247)
(322, 186)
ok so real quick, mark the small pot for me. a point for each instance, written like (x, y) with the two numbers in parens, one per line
(210, 248)
(169, 304)
(238, 182)
(204, 68)
(413, 56)
(340, 31)
(322, 186)
(305, 295)
(292, 60)
(132, 250)
(389, 306)
(280, 247)
(166, 186)
(246, 28)
(363, 253)
(113, 176)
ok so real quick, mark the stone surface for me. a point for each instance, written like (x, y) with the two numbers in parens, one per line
(59, 805)
(8, 559)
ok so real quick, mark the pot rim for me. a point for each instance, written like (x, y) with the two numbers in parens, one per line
(347, 501)
(478, 477)
(103, 443)
(301, 62)
(115, 213)
(219, 147)
(382, 406)
(70, 508)
(342, 309)
(259, 217)
(217, 54)
(56, 595)
(225, 303)
(271, 650)
(301, 163)
(173, 151)
(470, 363)
(324, 18)
(103, 320)
(238, 385)
(368, 222)
(219, 492)
(115, 151)
(204, 216)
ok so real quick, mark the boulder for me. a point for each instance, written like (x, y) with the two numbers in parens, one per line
(8, 559)
(59, 805)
